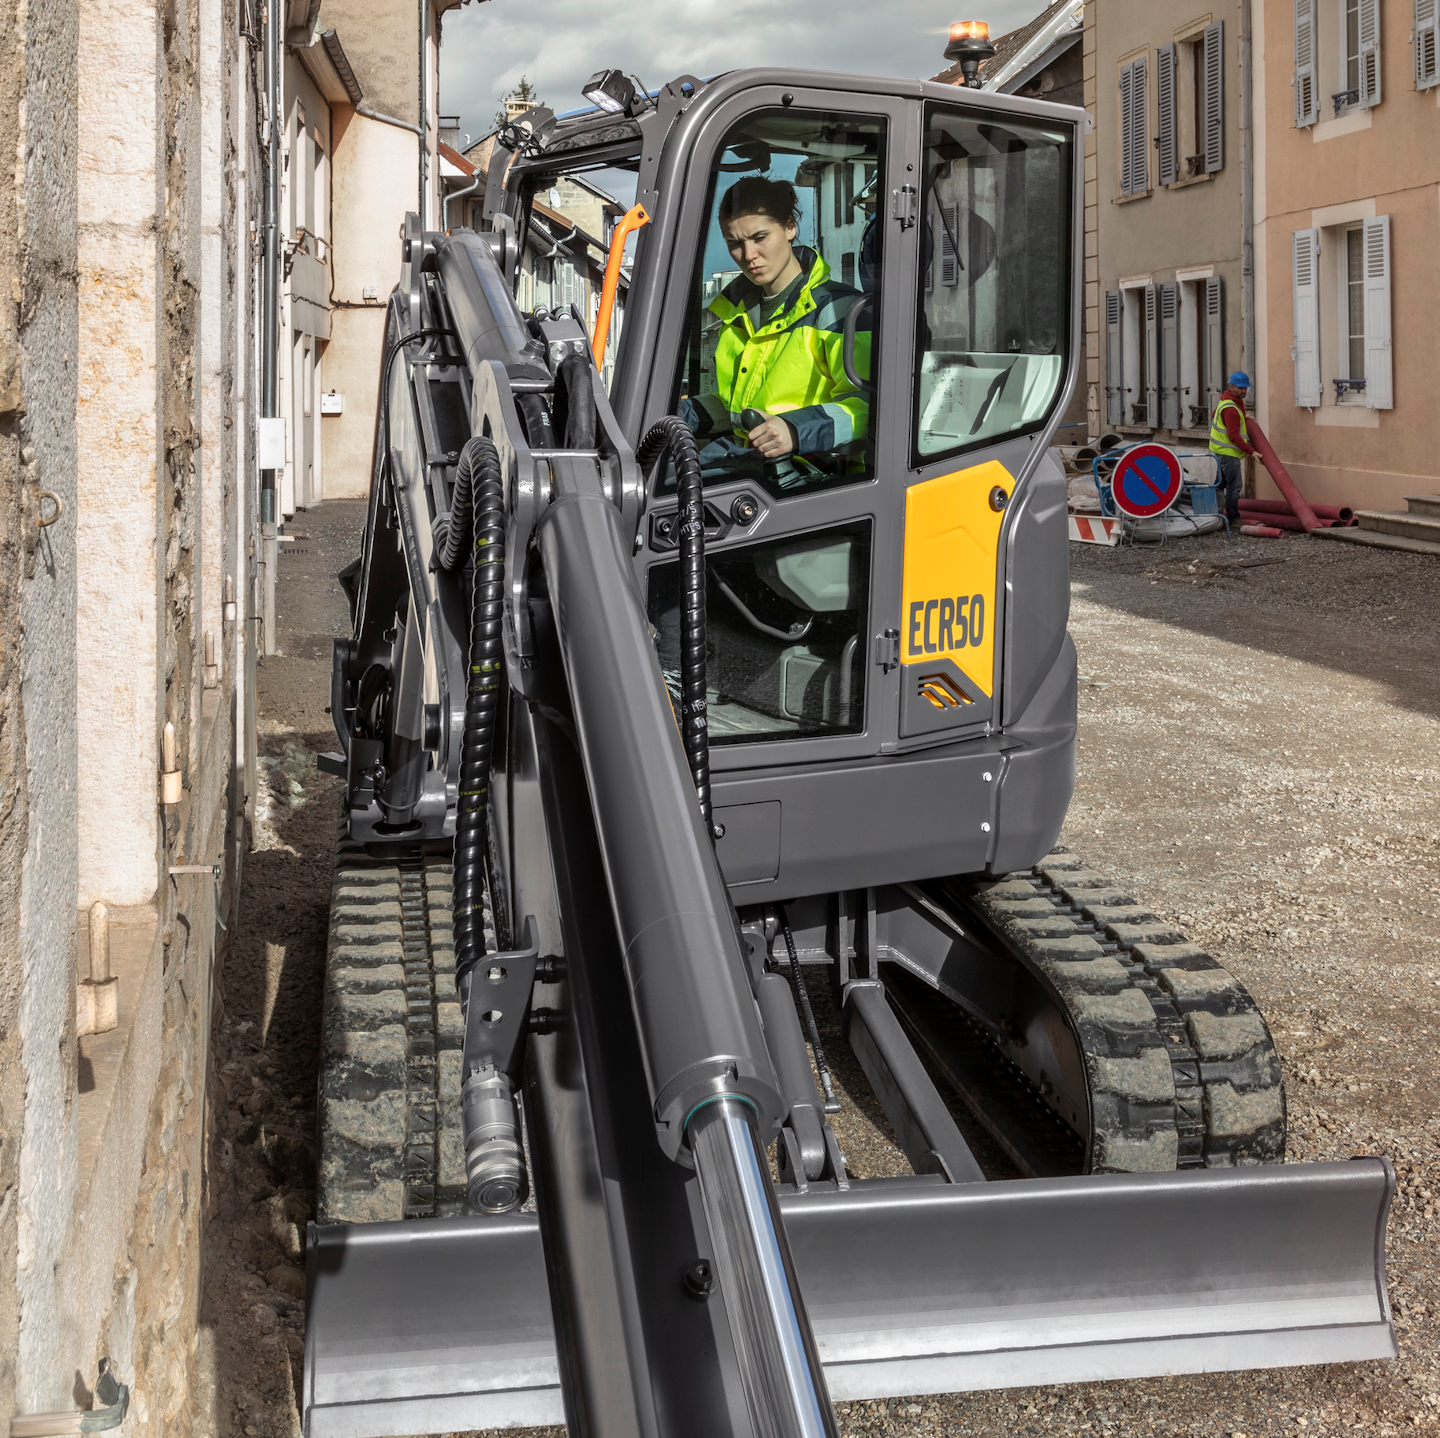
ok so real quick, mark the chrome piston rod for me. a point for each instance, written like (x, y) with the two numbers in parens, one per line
(779, 1363)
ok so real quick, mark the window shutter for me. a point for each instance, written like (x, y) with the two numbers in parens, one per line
(1369, 52)
(1127, 145)
(1152, 355)
(1427, 43)
(1306, 352)
(1139, 130)
(1307, 99)
(1214, 341)
(1214, 79)
(1168, 159)
(1379, 372)
(930, 260)
(1114, 369)
(1170, 356)
(949, 260)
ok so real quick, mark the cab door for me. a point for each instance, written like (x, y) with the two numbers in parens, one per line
(804, 548)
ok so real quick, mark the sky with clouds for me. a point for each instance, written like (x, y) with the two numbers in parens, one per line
(559, 44)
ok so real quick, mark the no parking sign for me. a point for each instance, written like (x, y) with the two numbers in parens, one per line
(1146, 482)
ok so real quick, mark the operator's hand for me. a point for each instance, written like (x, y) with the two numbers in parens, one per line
(772, 438)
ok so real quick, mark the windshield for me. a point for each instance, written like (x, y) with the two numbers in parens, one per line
(775, 378)
(995, 278)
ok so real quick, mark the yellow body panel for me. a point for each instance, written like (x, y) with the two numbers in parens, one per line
(952, 534)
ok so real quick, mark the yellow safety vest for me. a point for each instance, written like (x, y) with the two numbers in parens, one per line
(1219, 439)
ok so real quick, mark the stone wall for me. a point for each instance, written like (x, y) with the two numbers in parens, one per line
(125, 372)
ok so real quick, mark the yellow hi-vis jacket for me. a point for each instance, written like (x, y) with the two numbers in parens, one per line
(793, 366)
(1219, 439)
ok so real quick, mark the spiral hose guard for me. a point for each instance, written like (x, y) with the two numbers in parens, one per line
(671, 435)
(477, 523)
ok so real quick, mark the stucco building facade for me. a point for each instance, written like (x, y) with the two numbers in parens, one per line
(1347, 242)
(1165, 287)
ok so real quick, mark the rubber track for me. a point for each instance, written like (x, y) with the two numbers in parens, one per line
(390, 1142)
(1182, 1069)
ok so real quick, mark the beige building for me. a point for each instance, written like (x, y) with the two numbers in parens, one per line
(360, 147)
(1347, 243)
(1165, 295)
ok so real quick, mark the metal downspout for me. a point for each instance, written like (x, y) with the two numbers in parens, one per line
(270, 307)
(459, 195)
(424, 145)
(1247, 190)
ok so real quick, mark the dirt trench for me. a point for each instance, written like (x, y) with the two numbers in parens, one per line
(1259, 761)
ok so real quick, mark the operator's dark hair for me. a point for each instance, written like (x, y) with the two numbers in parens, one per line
(755, 195)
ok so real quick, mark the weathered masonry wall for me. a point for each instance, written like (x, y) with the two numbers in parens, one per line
(37, 589)
(126, 363)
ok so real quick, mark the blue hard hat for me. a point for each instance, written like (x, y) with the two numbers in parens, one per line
(1240, 379)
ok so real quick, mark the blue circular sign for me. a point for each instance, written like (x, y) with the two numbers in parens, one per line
(1146, 482)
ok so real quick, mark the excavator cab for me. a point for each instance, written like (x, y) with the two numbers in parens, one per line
(645, 733)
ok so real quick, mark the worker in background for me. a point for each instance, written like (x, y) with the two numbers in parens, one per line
(1230, 441)
(779, 351)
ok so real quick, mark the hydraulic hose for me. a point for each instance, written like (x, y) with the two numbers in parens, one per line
(477, 521)
(671, 435)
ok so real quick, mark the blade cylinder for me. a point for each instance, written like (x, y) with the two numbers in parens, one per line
(779, 1363)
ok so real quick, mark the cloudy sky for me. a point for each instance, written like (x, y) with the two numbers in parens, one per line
(559, 44)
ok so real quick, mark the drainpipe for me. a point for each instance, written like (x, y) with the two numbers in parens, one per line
(459, 195)
(270, 306)
(1247, 213)
(1247, 191)
(424, 145)
(388, 120)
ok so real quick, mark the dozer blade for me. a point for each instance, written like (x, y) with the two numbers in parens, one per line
(912, 1286)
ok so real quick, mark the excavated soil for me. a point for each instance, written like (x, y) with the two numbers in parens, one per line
(1259, 761)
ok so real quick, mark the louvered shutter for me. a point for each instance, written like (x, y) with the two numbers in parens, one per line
(1170, 356)
(1369, 52)
(1214, 341)
(1168, 159)
(1307, 98)
(1379, 373)
(1213, 55)
(1427, 43)
(1114, 366)
(1152, 355)
(949, 260)
(1305, 247)
(1127, 145)
(1139, 129)
(930, 261)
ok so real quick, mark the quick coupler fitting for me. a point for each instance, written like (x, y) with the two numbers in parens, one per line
(494, 1156)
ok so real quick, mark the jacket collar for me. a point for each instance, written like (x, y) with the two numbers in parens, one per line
(741, 298)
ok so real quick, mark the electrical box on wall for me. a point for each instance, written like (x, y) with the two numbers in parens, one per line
(332, 403)
(270, 443)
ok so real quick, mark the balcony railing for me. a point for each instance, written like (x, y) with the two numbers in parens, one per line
(1348, 386)
(1342, 98)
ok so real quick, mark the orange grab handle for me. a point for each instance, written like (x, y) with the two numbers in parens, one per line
(634, 219)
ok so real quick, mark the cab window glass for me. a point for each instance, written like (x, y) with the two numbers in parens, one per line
(995, 279)
(776, 377)
(786, 622)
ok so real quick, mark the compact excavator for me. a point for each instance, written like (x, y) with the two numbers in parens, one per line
(660, 755)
